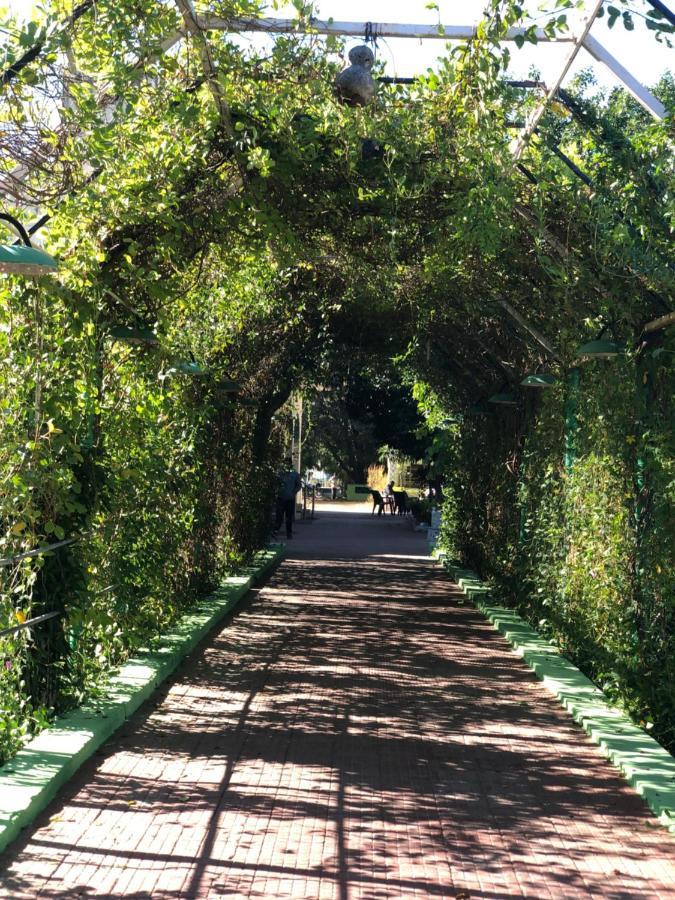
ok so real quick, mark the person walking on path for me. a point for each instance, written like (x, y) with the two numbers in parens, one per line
(289, 485)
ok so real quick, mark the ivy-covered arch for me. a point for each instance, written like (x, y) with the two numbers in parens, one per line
(249, 233)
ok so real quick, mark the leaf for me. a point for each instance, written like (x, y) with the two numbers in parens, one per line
(613, 14)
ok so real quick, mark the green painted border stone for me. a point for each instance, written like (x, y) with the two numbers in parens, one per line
(34, 776)
(647, 766)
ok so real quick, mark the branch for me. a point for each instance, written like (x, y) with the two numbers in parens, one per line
(536, 334)
(208, 67)
(332, 448)
(658, 324)
(37, 49)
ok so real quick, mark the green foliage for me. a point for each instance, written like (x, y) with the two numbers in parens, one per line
(152, 473)
(420, 509)
(362, 408)
(584, 553)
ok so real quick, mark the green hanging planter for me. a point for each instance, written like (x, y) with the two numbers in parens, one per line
(129, 335)
(539, 381)
(600, 349)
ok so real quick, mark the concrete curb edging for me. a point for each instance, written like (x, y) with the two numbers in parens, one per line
(34, 776)
(646, 765)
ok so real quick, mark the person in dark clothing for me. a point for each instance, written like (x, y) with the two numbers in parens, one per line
(388, 498)
(289, 485)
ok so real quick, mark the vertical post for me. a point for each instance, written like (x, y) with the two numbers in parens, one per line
(93, 395)
(299, 443)
(293, 454)
(644, 377)
(571, 417)
(297, 449)
(641, 580)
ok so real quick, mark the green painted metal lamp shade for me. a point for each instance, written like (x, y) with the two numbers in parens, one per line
(600, 349)
(187, 367)
(21, 260)
(228, 386)
(539, 381)
(503, 399)
(133, 335)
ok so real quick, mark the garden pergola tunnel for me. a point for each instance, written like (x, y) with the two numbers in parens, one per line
(231, 236)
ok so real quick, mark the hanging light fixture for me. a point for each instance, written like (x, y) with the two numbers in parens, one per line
(227, 386)
(130, 335)
(24, 259)
(542, 380)
(186, 367)
(599, 349)
(505, 398)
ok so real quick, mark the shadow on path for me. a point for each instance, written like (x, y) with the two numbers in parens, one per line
(352, 732)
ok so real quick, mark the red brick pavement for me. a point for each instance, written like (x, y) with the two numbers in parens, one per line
(352, 732)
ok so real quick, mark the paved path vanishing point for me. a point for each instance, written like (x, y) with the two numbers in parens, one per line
(351, 732)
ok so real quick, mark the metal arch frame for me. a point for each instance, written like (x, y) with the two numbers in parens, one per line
(359, 29)
(440, 32)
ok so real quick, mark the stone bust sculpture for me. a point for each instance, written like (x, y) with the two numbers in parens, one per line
(355, 85)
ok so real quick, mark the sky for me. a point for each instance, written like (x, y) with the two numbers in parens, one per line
(638, 50)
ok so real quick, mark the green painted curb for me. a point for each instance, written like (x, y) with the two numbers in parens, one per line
(647, 766)
(34, 776)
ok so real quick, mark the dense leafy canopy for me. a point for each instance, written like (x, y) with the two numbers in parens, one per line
(222, 199)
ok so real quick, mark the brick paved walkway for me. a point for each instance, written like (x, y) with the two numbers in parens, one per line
(353, 732)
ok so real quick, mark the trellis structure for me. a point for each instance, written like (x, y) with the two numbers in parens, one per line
(450, 32)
